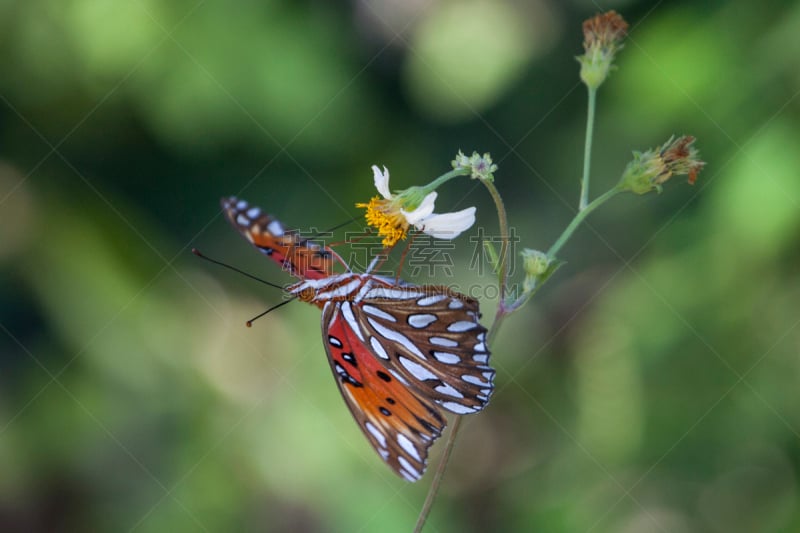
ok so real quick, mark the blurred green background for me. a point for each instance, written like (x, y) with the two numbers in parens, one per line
(651, 386)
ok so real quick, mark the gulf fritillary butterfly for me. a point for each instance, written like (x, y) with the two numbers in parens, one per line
(401, 353)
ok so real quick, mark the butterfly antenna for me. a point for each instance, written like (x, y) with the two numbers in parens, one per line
(199, 254)
(249, 323)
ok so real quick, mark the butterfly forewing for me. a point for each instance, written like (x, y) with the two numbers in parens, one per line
(298, 256)
(400, 424)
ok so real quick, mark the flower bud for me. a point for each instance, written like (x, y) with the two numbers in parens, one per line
(536, 264)
(650, 169)
(602, 39)
(480, 165)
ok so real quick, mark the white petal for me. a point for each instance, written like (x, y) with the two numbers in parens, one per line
(423, 210)
(447, 225)
(382, 181)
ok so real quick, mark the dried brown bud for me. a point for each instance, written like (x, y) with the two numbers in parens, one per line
(650, 169)
(602, 39)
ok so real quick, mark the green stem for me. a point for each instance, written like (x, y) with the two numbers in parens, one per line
(435, 184)
(502, 267)
(597, 202)
(587, 150)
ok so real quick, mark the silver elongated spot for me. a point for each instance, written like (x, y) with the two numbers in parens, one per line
(380, 313)
(475, 380)
(455, 304)
(408, 446)
(339, 292)
(430, 300)
(416, 369)
(395, 336)
(444, 388)
(377, 347)
(447, 358)
(481, 358)
(457, 408)
(347, 313)
(380, 437)
(480, 347)
(408, 468)
(253, 212)
(242, 220)
(422, 320)
(334, 341)
(441, 341)
(462, 325)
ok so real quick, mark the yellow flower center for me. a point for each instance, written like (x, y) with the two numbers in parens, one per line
(385, 215)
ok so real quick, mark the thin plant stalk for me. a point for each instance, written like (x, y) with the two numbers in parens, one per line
(502, 268)
(587, 149)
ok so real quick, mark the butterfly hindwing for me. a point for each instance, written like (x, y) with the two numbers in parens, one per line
(432, 338)
(299, 257)
(400, 424)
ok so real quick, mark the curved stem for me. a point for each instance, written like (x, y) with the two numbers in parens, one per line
(502, 267)
(597, 202)
(437, 477)
(587, 149)
(447, 176)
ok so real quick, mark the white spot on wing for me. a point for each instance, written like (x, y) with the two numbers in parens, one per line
(407, 476)
(253, 212)
(383, 453)
(347, 313)
(455, 304)
(411, 470)
(416, 369)
(430, 300)
(475, 380)
(241, 204)
(380, 313)
(447, 357)
(396, 336)
(334, 341)
(408, 446)
(242, 220)
(380, 437)
(340, 292)
(276, 228)
(441, 341)
(462, 325)
(480, 358)
(377, 347)
(447, 389)
(457, 408)
(398, 377)
(480, 347)
(421, 320)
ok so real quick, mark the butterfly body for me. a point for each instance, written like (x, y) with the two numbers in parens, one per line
(402, 355)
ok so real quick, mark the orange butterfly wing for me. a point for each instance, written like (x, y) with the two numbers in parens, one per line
(399, 424)
(300, 257)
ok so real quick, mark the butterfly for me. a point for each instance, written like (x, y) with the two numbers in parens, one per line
(402, 354)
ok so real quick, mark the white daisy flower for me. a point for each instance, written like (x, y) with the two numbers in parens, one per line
(392, 218)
